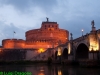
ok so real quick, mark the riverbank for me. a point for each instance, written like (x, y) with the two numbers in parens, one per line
(89, 63)
(22, 62)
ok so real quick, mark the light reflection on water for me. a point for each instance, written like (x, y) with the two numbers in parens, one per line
(51, 70)
(59, 72)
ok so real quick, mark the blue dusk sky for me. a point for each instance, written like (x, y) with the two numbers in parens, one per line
(23, 15)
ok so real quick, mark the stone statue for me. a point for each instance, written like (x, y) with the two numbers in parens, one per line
(92, 23)
(47, 19)
(71, 34)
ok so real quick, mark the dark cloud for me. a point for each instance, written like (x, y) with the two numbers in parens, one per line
(76, 24)
(26, 4)
(47, 4)
(7, 32)
(20, 4)
(70, 15)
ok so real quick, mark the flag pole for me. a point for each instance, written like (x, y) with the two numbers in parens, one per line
(13, 34)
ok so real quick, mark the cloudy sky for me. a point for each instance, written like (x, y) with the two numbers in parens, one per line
(23, 15)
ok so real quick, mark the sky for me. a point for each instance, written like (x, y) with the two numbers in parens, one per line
(23, 15)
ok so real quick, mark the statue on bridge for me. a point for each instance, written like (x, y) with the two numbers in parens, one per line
(71, 36)
(92, 23)
(93, 28)
(47, 19)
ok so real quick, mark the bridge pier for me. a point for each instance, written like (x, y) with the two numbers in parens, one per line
(94, 55)
(70, 57)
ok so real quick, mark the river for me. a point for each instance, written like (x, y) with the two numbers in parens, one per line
(47, 70)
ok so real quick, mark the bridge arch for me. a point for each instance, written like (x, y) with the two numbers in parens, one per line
(82, 51)
(65, 53)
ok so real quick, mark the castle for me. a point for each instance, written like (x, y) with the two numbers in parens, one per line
(51, 41)
(48, 36)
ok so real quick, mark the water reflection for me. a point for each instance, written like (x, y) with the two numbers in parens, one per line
(51, 70)
(59, 72)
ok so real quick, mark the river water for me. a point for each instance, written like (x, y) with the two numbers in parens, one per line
(47, 70)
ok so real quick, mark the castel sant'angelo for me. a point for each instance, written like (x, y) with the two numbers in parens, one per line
(48, 36)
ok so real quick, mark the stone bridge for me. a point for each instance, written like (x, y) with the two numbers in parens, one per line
(86, 47)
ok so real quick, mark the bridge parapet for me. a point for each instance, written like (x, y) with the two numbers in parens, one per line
(81, 39)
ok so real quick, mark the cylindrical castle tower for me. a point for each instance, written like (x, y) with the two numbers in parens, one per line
(13, 43)
(49, 32)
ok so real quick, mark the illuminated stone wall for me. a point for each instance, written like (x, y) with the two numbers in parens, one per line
(94, 44)
(49, 32)
(99, 37)
(13, 43)
(16, 43)
(38, 45)
(69, 48)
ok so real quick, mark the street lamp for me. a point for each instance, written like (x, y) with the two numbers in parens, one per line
(82, 32)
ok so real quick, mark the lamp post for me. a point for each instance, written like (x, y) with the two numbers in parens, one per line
(82, 32)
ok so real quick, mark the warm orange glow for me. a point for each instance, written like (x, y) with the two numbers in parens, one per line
(50, 28)
(41, 50)
(41, 73)
(94, 46)
(0, 50)
(69, 48)
(59, 52)
(59, 72)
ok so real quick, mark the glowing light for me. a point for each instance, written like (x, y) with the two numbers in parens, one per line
(59, 52)
(41, 74)
(0, 50)
(69, 48)
(94, 47)
(41, 70)
(59, 72)
(82, 30)
(41, 50)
